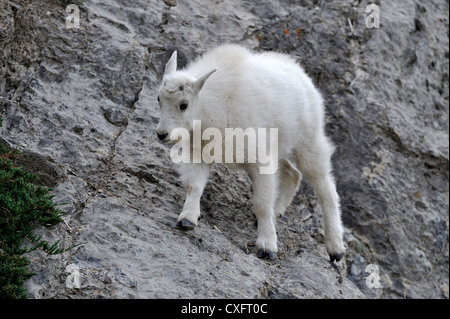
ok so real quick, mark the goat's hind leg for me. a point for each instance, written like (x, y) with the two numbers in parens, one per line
(314, 161)
(264, 191)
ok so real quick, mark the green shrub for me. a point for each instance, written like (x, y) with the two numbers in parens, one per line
(23, 207)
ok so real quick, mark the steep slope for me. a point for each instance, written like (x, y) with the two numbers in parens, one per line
(81, 104)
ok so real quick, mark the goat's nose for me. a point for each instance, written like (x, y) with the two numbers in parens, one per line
(162, 136)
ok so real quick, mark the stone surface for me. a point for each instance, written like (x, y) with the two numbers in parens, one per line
(81, 104)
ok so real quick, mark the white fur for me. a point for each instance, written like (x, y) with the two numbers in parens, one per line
(230, 87)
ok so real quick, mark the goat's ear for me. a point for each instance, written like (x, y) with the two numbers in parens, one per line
(171, 66)
(198, 84)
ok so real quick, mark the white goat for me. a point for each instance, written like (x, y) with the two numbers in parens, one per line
(230, 87)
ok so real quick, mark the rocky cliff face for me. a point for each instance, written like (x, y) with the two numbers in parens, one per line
(81, 104)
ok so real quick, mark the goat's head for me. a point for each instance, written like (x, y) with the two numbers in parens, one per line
(177, 98)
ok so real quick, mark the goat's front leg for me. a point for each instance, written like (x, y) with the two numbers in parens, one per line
(194, 178)
(264, 194)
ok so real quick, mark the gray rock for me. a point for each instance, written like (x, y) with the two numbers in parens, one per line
(82, 103)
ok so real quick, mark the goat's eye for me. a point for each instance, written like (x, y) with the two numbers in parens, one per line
(183, 106)
(158, 98)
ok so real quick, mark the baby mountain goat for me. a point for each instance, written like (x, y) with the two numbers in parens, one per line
(231, 87)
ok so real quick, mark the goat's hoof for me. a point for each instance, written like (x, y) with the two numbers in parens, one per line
(336, 257)
(185, 224)
(266, 254)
